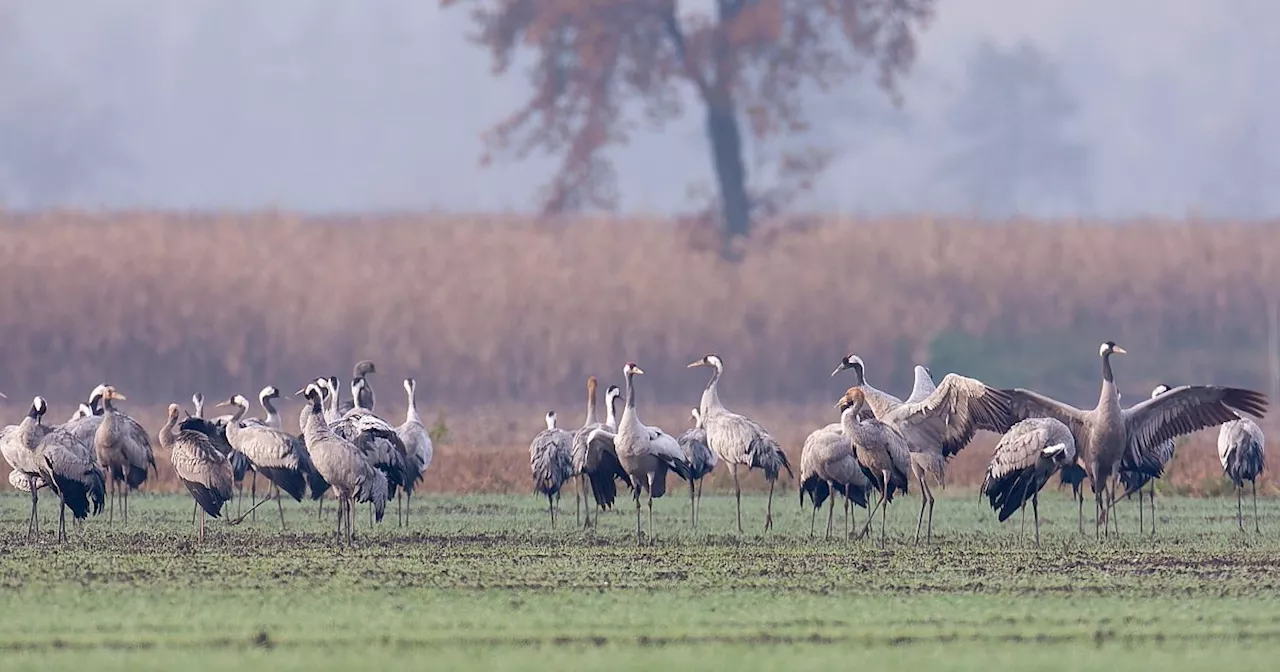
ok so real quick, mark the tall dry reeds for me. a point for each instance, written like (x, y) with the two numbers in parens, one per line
(512, 312)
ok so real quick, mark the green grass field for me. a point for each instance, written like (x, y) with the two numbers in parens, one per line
(482, 582)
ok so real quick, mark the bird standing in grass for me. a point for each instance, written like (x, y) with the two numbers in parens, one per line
(739, 441)
(1243, 451)
(550, 462)
(1024, 460)
(702, 460)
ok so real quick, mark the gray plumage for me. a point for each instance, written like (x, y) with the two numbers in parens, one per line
(702, 460)
(344, 467)
(878, 402)
(1142, 465)
(18, 444)
(202, 469)
(1104, 433)
(279, 456)
(937, 425)
(417, 445)
(924, 385)
(24, 483)
(363, 398)
(828, 466)
(646, 453)
(883, 453)
(738, 440)
(1242, 448)
(551, 462)
(68, 464)
(1024, 460)
(378, 440)
(123, 448)
(594, 458)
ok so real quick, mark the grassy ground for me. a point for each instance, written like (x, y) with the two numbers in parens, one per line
(482, 582)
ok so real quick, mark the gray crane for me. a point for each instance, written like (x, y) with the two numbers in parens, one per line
(829, 466)
(123, 448)
(202, 469)
(344, 467)
(551, 462)
(18, 445)
(738, 440)
(417, 444)
(1242, 448)
(646, 453)
(1024, 460)
(702, 460)
(884, 455)
(594, 458)
(67, 463)
(279, 456)
(377, 439)
(938, 425)
(1139, 467)
(1102, 434)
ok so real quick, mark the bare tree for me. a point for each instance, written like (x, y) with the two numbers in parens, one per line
(749, 63)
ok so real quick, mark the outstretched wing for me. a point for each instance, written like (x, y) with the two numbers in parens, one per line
(1187, 409)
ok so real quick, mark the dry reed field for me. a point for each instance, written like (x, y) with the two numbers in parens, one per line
(501, 318)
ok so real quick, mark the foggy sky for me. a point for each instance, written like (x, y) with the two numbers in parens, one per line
(358, 106)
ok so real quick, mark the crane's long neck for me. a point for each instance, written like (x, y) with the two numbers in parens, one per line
(630, 394)
(27, 431)
(241, 409)
(591, 403)
(315, 428)
(1110, 396)
(364, 395)
(335, 397)
(711, 395)
(411, 413)
(273, 417)
(167, 432)
(849, 418)
(199, 403)
(611, 412)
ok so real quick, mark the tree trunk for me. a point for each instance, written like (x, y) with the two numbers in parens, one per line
(726, 153)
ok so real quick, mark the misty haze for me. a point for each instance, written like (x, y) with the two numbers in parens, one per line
(1051, 108)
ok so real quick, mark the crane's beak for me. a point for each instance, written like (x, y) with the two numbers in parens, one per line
(3, 395)
(1119, 350)
(225, 403)
(638, 370)
(117, 395)
(840, 368)
(696, 364)
(302, 391)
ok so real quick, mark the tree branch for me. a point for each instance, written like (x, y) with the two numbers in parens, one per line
(672, 25)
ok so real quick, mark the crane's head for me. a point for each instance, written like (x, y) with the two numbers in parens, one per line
(551, 419)
(333, 384)
(632, 369)
(1159, 390)
(312, 394)
(110, 393)
(1110, 348)
(712, 360)
(82, 411)
(853, 398)
(173, 412)
(197, 399)
(38, 408)
(591, 386)
(269, 392)
(363, 368)
(235, 400)
(854, 362)
(697, 417)
(410, 385)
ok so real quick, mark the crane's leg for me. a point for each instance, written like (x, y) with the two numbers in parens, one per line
(124, 503)
(651, 516)
(768, 512)
(636, 496)
(253, 495)
(194, 505)
(280, 506)
(871, 517)
(1035, 514)
(831, 511)
(924, 499)
(1256, 528)
(1240, 507)
(884, 513)
(698, 508)
(111, 503)
(1022, 531)
(693, 507)
(320, 509)
(33, 525)
(408, 505)
(551, 509)
(338, 532)
(737, 494)
(578, 498)
(202, 517)
(929, 525)
(1080, 503)
(1142, 525)
(239, 498)
(848, 504)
